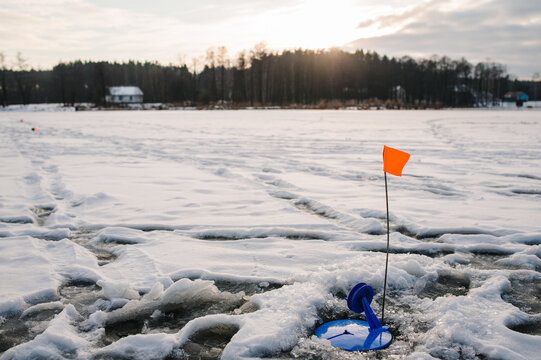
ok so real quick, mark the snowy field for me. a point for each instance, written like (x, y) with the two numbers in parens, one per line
(200, 234)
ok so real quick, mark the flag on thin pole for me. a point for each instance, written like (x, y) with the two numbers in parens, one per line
(393, 162)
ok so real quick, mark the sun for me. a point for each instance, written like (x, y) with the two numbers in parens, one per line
(317, 24)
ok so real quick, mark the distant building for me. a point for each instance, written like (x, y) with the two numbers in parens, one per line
(124, 95)
(517, 96)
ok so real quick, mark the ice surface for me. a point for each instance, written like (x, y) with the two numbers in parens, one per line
(235, 234)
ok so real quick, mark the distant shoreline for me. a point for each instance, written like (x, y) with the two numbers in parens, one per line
(55, 107)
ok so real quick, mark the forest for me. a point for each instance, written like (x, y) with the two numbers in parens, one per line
(259, 77)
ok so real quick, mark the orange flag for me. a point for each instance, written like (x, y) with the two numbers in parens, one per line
(394, 160)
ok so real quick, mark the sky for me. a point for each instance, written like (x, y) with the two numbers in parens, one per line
(49, 31)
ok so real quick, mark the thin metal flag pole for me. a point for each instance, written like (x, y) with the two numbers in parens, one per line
(387, 256)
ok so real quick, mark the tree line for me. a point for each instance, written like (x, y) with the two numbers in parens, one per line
(259, 77)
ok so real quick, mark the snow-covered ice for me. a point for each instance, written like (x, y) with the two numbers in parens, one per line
(234, 234)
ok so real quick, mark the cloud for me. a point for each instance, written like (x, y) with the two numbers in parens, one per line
(47, 32)
(500, 30)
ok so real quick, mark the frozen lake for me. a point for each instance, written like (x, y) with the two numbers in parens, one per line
(200, 234)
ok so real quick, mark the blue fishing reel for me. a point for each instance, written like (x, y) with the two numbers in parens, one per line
(357, 335)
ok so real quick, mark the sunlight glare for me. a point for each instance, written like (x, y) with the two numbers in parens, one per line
(319, 24)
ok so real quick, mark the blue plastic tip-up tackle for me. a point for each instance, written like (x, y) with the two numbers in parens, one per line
(357, 335)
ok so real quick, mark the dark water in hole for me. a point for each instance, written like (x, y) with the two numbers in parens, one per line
(15, 330)
(206, 344)
(524, 293)
(487, 261)
(166, 322)
(532, 327)
(248, 288)
(80, 295)
(453, 283)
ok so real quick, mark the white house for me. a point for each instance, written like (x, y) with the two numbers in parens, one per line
(123, 95)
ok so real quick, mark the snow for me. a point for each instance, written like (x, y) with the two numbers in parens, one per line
(37, 107)
(254, 225)
(488, 334)
(19, 285)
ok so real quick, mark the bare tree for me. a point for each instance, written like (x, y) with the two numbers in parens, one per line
(21, 63)
(239, 80)
(222, 61)
(195, 61)
(24, 77)
(257, 56)
(211, 62)
(181, 59)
